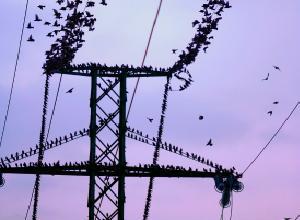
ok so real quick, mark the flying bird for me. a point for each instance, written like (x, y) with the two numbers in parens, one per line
(201, 117)
(37, 18)
(276, 68)
(194, 23)
(103, 2)
(267, 77)
(174, 51)
(47, 23)
(270, 112)
(209, 143)
(275, 103)
(150, 119)
(29, 26)
(70, 90)
(41, 7)
(30, 39)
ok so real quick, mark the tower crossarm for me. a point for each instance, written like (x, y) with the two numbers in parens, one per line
(113, 71)
(146, 170)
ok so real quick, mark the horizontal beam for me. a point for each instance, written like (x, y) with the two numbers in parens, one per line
(100, 170)
(113, 71)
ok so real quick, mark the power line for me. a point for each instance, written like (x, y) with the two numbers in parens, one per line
(14, 74)
(271, 139)
(144, 57)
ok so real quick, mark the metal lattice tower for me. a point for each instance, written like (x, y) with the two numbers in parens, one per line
(107, 168)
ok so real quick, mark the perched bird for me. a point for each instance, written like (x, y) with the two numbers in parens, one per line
(41, 7)
(270, 112)
(174, 51)
(29, 26)
(275, 103)
(267, 77)
(70, 90)
(276, 68)
(209, 143)
(30, 39)
(201, 117)
(150, 119)
(103, 2)
(37, 18)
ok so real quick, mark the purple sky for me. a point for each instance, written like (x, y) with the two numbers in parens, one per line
(228, 90)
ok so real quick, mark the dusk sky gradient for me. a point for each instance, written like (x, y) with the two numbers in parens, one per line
(228, 91)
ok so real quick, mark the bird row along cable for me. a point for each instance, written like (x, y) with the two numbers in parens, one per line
(14, 73)
(145, 55)
(272, 138)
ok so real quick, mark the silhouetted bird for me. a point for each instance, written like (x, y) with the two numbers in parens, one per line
(150, 119)
(50, 34)
(287, 218)
(275, 103)
(194, 23)
(276, 68)
(267, 77)
(47, 23)
(41, 7)
(30, 39)
(201, 117)
(103, 2)
(270, 112)
(209, 143)
(204, 49)
(29, 26)
(174, 51)
(57, 14)
(37, 18)
(70, 90)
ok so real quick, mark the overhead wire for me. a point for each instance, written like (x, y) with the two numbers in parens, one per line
(36, 185)
(14, 74)
(144, 57)
(271, 139)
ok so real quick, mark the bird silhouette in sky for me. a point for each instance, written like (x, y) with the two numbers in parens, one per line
(267, 77)
(57, 14)
(29, 26)
(37, 18)
(194, 23)
(47, 23)
(30, 39)
(276, 68)
(270, 112)
(41, 7)
(287, 218)
(209, 143)
(201, 117)
(275, 103)
(174, 51)
(103, 2)
(150, 119)
(70, 90)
